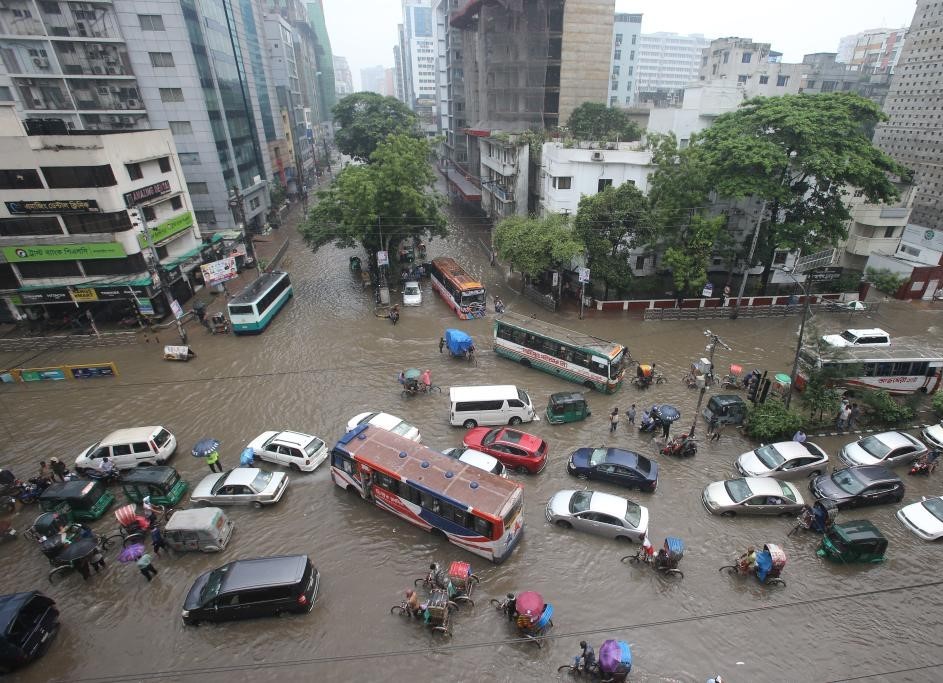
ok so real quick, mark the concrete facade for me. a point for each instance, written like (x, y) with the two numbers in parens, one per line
(702, 103)
(343, 79)
(373, 79)
(584, 61)
(752, 65)
(876, 47)
(626, 45)
(667, 63)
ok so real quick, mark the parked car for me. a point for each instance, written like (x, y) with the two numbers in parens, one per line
(241, 486)
(933, 435)
(859, 486)
(246, 589)
(301, 452)
(925, 519)
(784, 460)
(598, 513)
(614, 465)
(29, 622)
(127, 448)
(412, 294)
(482, 461)
(518, 450)
(887, 448)
(752, 496)
(390, 423)
(869, 337)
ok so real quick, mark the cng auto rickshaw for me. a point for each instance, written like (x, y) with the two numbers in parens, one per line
(88, 500)
(567, 406)
(729, 409)
(855, 541)
(205, 529)
(163, 485)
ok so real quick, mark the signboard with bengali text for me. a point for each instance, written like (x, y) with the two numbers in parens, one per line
(64, 252)
(53, 206)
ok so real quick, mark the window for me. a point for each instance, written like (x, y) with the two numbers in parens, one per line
(149, 213)
(171, 95)
(49, 269)
(176, 202)
(47, 225)
(613, 101)
(618, 39)
(562, 182)
(134, 171)
(79, 176)
(810, 84)
(639, 263)
(889, 231)
(726, 57)
(20, 179)
(254, 203)
(632, 54)
(189, 158)
(764, 80)
(198, 188)
(50, 7)
(603, 184)
(6, 95)
(151, 22)
(781, 81)
(180, 127)
(161, 59)
(164, 164)
(746, 58)
(633, 38)
(93, 223)
(742, 78)
(617, 55)
(615, 70)
(207, 216)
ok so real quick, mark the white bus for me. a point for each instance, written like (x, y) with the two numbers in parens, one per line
(902, 368)
(489, 405)
(253, 308)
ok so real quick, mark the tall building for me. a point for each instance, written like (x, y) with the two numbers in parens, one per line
(877, 47)
(389, 82)
(373, 79)
(667, 62)
(325, 72)
(751, 65)
(626, 45)
(911, 134)
(417, 59)
(343, 79)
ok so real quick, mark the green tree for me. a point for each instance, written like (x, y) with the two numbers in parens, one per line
(885, 280)
(533, 245)
(381, 203)
(366, 119)
(800, 154)
(689, 256)
(772, 421)
(609, 224)
(595, 121)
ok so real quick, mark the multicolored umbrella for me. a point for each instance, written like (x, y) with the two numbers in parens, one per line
(615, 656)
(530, 604)
(132, 553)
(204, 447)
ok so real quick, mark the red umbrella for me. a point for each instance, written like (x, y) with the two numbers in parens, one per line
(530, 604)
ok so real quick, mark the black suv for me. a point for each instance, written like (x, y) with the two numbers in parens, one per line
(245, 589)
(859, 486)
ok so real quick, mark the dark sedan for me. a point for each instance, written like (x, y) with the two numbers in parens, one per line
(615, 465)
(859, 486)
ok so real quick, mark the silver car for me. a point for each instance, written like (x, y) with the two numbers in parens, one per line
(752, 496)
(784, 460)
(888, 448)
(598, 513)
(241, 486)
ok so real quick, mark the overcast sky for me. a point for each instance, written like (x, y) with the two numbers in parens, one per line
(364, 31)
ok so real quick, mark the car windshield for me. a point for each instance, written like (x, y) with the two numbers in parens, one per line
(490, 437)
(738, 490)
(633, 514)
(403, 428)
(848, 482)
(769, 456)
(848, 336)
(598, 456)
(211, 589)
(525, 399)
(643, 465)
(874, 446)
(935, 507)
(314, 446)
(411, 290)
(161, 437)
(262, 480)
(580, 501)
(788, 491)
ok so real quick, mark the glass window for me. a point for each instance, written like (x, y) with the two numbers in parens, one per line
(79, 176)
(49, 269)
(764, 80)
(161, 59)
(164, 164)
(134, 171)
(151, 22)
(45, 225)
(603, 184)
(781, 81)
(198, 188)
(746, 58)
(902, 369)
(171, 94)
(207, 216)
(92, 223)
(6, 95)
(189, 158)
(562, 182)
(121, 449)
(241, 310)
(483, 527)
(180, 127)
(149, 213)
(176, 202)
(20, 179)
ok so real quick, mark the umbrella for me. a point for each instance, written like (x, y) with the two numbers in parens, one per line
(77, 550)
(615, 656)
(204, 447)
(530, 604)
(132, 553)
(247, 457)
(412, 373)
(666, 413)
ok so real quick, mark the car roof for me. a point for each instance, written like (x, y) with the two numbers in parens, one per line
(263, 571)
(894, 439)
(242, 476)
(149, 475)
(194, 518)
(526, 440)
(73, 489)
(10, 606)
(764, 486)
(129, 435)
(725, 399)
(874, 473)
(608, 504)
(867, 332)
(385, 421)
(294, 438)
(620, 456)
(858, 530)
(478, 459)
(792, 449)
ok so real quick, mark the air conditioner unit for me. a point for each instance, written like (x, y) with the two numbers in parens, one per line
(597, 156)
(41, 62)
(134, 104)
(114, 119)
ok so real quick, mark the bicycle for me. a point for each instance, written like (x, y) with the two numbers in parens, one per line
(421, 388)
(642, 557)
(660, 378)
(578, 670)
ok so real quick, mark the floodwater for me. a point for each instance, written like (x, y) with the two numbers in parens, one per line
(326, 358)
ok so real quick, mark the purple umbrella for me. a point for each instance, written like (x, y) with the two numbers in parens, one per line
(132, 553)
(615, 656)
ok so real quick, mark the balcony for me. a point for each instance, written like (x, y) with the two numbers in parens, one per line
(865, 246)
(499, 167)
(878, 216)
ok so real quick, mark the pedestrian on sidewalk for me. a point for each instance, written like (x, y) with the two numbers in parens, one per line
(147, 568)
(853, 416)
(630, 414)
(613, 420)
(844, 415)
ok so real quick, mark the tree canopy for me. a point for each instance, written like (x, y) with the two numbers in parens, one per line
(366, 119)
(381, 203)
(611, 223)
(533, 245)
(595, 121)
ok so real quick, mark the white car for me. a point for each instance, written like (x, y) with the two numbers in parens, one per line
(241, 486)
(870, 337)
(925, 519)
(390, 423)
(598, 513)
(784, 460)
(128, 448)
(933, 435)
(752, 496)
(887, 448)
(482, 461)
(412, 294)
(302, 452)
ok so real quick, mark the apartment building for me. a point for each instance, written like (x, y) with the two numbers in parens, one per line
(417, 61)
(666, 64)
(343, 78)
(626, 45)
(878, 48)
(373, 79)
(751, 65)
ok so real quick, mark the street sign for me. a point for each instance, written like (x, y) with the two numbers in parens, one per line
(708, 290)
(383, 258)
(145, 306)
(825, 274)
(584, 274)
(175, 307)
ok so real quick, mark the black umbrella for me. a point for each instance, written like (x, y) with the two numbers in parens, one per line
(666, 413)
(77, 550)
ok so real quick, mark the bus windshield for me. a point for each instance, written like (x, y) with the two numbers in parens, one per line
(475, 296)
(615, 365)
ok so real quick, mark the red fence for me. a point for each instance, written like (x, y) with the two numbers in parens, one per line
(639, 305)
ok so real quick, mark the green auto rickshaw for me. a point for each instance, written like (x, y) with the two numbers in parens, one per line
(856, 541)
(729, 409)
(567, 406)
(88, 500)
(163, 484)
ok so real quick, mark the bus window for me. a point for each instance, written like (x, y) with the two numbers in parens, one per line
(483, 527)
(884, 369)
(387, 482)
(579, 358)
(902, 368)
(869, 369)
(599, 368)
(505, 333)
(411, 493)
(241, 310)
(344, 463)
(430, 502)
(519, 337)
(461, 517)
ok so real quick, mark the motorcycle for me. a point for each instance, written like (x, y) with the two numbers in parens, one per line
(30, 491)
(681, 446)
(926, 464)
(109, 477)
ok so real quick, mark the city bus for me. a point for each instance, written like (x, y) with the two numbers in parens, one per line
(902, 368)
(595, 363)
(474, 509)
(464, 294)
(253, 308)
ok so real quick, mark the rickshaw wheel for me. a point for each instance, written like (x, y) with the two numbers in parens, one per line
(59, 573)
(673, 572)
(474, 577)
(777, 580)
(730, 569)
(568, 668)
(405, 393)
(399, 610)
(444, 630)
(497, 604)
(464, 599)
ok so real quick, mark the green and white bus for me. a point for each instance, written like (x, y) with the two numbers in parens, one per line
(595, 363)
(253, 308)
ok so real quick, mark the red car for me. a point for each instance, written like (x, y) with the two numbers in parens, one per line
(519, 451)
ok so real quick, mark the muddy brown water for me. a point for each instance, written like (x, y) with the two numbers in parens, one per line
(326, 358)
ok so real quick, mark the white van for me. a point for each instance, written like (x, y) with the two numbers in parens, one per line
(494, 405)
(127, 448)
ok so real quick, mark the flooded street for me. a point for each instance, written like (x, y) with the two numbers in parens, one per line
(326, 358)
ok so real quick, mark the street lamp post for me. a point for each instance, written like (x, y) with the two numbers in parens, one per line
(806, 288)
(711, 346)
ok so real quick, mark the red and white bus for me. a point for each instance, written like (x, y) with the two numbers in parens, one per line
(902, 368)
(464, 294)
(474, 509)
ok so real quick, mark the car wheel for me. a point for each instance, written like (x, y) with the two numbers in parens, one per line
(294, 467)
(514, 421)
(728, 513)
(469, 424)
(815, 473)
(563, 524)
(582, 476)
(257, 505)
(521, 469)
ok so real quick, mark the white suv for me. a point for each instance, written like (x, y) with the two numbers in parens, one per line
(299, 451)
(127, 448)
(872, 337)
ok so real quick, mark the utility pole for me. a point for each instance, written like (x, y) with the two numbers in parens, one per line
(711, 346)
(746, 267)
(138, 214)
(236, 204)
(806, 293)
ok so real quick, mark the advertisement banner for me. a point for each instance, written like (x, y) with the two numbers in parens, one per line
(167, 229)
(93, 370)
(40, 374)
(86, 294)
(176, 308)
(53, 206)
(383, 258)
(220, 271)
(142, 194)
(145, 307)
(63, 252)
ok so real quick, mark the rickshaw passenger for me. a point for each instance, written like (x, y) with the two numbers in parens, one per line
(412, 602)
(748, 559)
(426, 378)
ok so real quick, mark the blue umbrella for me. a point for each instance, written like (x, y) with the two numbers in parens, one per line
(204, 447)
(247, 457)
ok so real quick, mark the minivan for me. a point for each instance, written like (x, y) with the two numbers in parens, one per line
(28, 623)
(246, 589)
(127, 448)
(489, 405)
